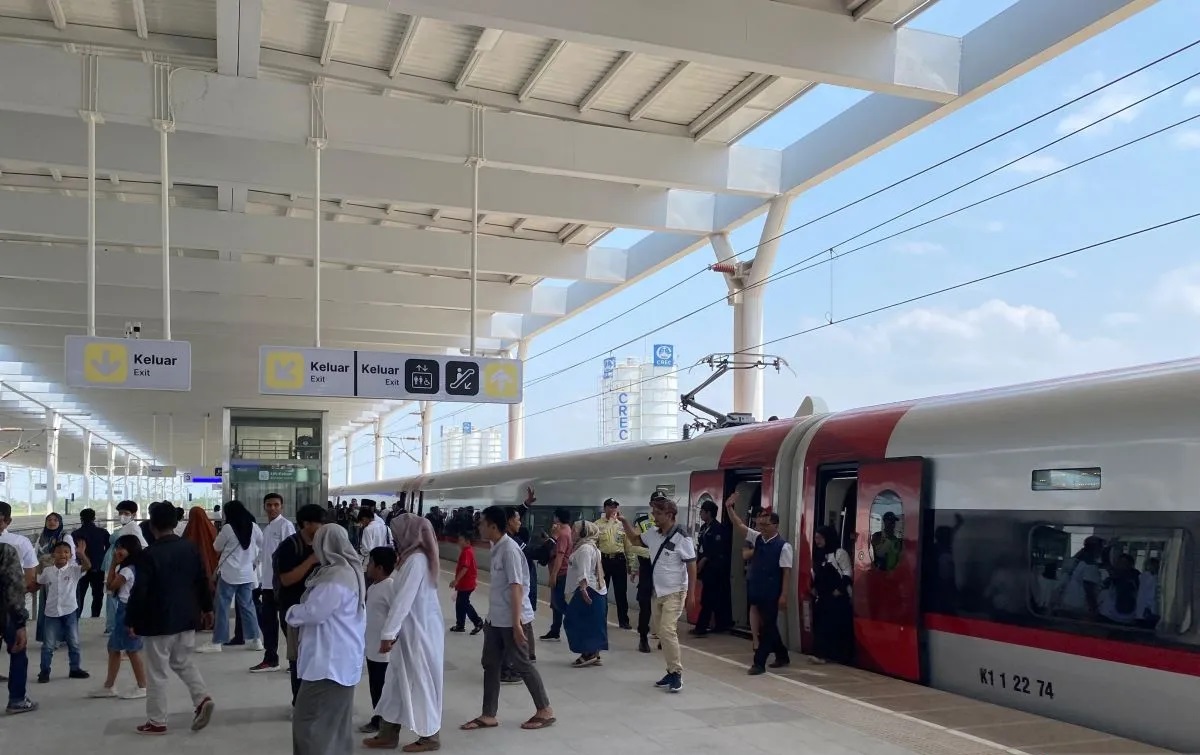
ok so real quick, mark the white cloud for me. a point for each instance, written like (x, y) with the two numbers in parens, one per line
(1179, 290)
(1189, 139)
(1192, 98)
(1102, 104)
(919, 247)
(1121, 319)
(1037, 164)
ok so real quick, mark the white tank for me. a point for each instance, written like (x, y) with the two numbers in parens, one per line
(639, 400)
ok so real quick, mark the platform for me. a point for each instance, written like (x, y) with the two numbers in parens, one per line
(822, 710)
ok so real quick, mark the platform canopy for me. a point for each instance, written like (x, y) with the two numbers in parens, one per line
(592, 120)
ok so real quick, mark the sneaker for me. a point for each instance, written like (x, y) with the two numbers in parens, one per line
(235, 643)
(43, 677)
(103, 692)
(208, 647)
(756, 671)
(204, 713)
(550, 637)
(25, 706)
(664, 682)
(137, 693)
(264, 668)
(79, 674)
(255, 645)
(676, 684)
(152, 728)
(643, 645)
(478, 628)
(457, 629)
(781, 663)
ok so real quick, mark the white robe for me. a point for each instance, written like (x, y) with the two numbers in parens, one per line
(412, 689)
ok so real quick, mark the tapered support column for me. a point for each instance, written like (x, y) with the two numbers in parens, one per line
(379, 448)
(86, 497)
(426, 437)
(53, 424)
(516, 415)
(349, 459)
(112, 466)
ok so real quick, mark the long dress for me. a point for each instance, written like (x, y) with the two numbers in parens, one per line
(412, 689)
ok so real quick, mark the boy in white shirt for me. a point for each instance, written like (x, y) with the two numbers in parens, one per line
(61, 580)
(380, 564)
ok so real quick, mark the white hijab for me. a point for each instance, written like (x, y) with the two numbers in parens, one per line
(339, 562)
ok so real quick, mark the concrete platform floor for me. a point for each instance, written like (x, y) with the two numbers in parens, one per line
(609, 710)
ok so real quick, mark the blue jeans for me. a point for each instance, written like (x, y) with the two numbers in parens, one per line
(243, 594)
(558, 604)
(57, 629)
(18, 665)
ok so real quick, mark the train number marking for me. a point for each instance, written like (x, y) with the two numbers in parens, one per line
(1016, 682)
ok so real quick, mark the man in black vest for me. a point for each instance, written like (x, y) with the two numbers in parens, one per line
(767, 582)
(715, 543)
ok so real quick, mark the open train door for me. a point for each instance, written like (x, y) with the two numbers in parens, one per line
(887, 567)
(703, 486)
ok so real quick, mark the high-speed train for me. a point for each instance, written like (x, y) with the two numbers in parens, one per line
(1049, 534)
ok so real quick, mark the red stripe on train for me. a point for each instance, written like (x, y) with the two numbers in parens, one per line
(1146, 656)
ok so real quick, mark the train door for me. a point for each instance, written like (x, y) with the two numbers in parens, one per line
(887, 562)
(703, 486)
(748, 485)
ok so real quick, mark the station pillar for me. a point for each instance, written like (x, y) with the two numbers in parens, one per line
(516, 414)
(347, 452)
(86, 498)
(379, 448)
(53, 424)
(426, 437)
(747, 288)
(112, 467)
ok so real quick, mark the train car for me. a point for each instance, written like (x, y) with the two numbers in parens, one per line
(1044, 536)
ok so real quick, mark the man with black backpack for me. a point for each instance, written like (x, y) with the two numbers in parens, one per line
(673, 572)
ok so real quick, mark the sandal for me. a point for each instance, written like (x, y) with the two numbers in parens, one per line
(537, 722)
(476, 724)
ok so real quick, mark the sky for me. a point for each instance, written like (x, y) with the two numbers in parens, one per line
(1126, 303)
(1131, 302)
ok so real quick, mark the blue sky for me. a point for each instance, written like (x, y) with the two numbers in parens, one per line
(1128, 303)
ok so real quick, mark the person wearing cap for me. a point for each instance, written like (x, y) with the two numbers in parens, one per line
(673, 573)
(614, 558)
(714, 549)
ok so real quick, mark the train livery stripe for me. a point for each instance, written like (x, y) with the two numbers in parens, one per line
(1133, 654)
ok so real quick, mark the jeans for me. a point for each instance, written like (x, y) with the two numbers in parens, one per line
(558, 604)
(463, 610)
(94, 580)
(268, 621)
(57, 629)
(18, 665)
(243, 595)
(177, 653)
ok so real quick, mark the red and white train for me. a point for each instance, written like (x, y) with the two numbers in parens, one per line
(1050, 534)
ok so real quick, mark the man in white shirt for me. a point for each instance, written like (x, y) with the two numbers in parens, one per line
(61, 580)
(673, 568)
(767, 582)
(278, 529)
(375, 533)
(13, 631)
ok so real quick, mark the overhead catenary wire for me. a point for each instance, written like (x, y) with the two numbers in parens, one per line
(878, 192)
(896, 304)
(827, 252)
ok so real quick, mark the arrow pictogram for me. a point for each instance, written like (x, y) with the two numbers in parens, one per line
(107, 365)
(285, 371)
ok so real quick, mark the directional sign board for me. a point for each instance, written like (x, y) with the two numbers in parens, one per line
(387, 375)
(128, 363)
(160, 471)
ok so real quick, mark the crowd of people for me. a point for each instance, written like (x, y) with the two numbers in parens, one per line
(356, 591)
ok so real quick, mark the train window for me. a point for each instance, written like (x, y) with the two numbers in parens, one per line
(887, 530)
(1066, 479)
(1117, 577)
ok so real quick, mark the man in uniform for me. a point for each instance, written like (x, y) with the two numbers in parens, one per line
(613, 558)
(715, 546)
(645, 582)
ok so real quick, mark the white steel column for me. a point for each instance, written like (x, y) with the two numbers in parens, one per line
(748, 310)
(90, 110)
(426, 437)
(53, 424)
(112, 464)
(516, 414)
(165, 198)
(317, 140)
(125, 478)
(379, 448)
(346, 451)
(87, 469)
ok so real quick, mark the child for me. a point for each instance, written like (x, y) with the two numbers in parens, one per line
(61, 580)
(120, 579)
(380, 564)
(466, 575)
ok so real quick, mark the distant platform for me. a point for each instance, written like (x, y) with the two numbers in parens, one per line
(803, 710)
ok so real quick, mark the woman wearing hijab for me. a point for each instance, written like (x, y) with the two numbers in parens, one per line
(203, 534)
(53, 533)
(586, 618)
(833, 614)
(414, 638)
(239, 545)
(332, 620)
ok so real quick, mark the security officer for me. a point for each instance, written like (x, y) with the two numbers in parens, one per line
(613, 560)
(716, 543)
(645, 582)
